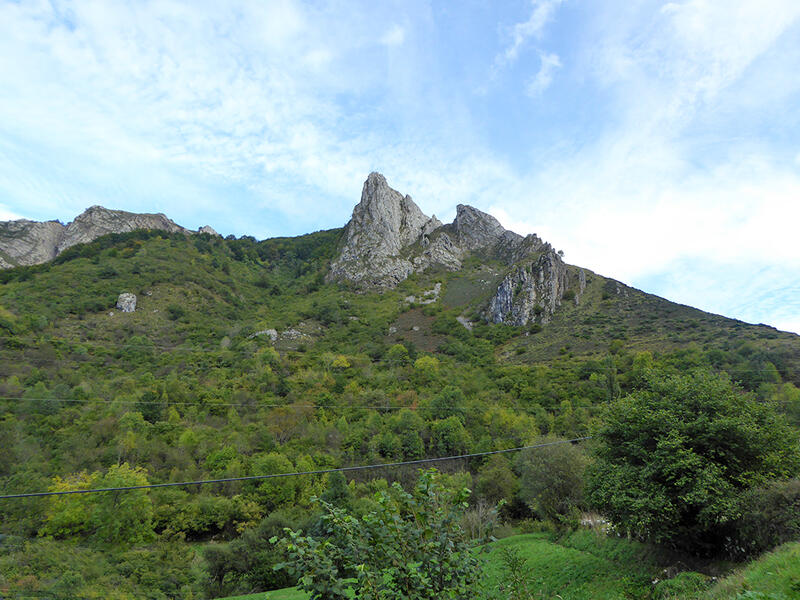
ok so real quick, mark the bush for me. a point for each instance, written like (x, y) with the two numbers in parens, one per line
(673, 458)
(175, 312)
(770, 516)
(412, 546)
(551, 481)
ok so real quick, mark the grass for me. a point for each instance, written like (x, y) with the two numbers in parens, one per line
(774, 576)
(556, 569)
(586, 566)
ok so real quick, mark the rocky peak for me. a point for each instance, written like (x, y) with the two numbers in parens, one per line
(384, 223)
(24, 242)
(476, 229)
(209, 230)
(97, 221)
(385, 210)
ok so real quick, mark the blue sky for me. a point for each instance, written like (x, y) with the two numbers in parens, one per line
(654, 142)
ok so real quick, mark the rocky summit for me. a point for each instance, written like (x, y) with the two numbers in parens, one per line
(384, 225)
(388, 238)
(24, 242)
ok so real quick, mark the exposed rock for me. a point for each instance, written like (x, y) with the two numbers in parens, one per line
(388, 238)
(530, 292)
(97, 221)
(468, 325)
(126, 302)
(383, 224)
(477, 230)
(209, 230)
(581, 286)
(428, 297)
(272, 334)
(440, 252)
(24, 242)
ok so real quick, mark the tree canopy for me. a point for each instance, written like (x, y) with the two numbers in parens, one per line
(674, 458)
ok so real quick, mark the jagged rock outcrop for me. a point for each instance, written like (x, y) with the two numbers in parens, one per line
(126, 302)
(383, 224)
(477, 230)
(24, 242)
(97, 221)
(530, 292)
(209, 230)
(388, 238)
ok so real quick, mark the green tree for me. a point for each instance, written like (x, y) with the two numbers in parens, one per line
(674, 457)
(448, 437)
(412, 546)
(397, 355)
(450, 402)
(551, 480)
(119, 518)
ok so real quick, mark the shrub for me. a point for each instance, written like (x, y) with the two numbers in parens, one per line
(551, 480)
(770, 516)
(411, 546)
(672, 459)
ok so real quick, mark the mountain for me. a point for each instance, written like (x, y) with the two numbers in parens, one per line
(392, 339)
(24, 242)
(388, 238)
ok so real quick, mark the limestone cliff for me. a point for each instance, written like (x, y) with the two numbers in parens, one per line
(97, 221)
(383, 224)
(24, 242)
(388, 238)
(530, 292)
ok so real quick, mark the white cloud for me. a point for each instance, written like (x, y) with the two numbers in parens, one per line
(252, 94)
(8, 215)
(542, 80)
(541, 13)
(394, 36)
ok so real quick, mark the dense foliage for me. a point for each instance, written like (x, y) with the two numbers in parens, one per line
(411, 546)
(192, 386)
(675, 457)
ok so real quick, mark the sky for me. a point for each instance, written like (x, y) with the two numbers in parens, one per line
(654, 142)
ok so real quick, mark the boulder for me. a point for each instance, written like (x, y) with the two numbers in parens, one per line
(126, 302)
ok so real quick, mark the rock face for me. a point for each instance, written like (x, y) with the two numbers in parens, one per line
(388, 238)
(477, 230)
(530, 292)
(97, 221)
(383, 225)
(24, 242)
(209, 230)
(126, 302)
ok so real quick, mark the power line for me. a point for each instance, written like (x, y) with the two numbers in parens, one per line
(257, 404)
(295, 474)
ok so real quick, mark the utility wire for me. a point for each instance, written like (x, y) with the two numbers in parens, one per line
(295, 474)
(257, 404)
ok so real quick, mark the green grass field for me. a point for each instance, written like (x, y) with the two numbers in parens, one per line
(586, 566)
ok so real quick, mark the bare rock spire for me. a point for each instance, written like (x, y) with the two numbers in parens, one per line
(384, 224)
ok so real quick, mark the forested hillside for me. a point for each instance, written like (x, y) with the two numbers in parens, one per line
(241, 359)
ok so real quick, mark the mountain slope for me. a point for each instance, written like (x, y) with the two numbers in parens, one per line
(244, 357)
(24, 242)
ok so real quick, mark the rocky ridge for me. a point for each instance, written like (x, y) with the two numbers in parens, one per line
(388, 238)
(24, 242)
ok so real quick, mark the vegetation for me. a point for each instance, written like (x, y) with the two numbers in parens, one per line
(675, 458)
(412, 546)
(192, 386)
